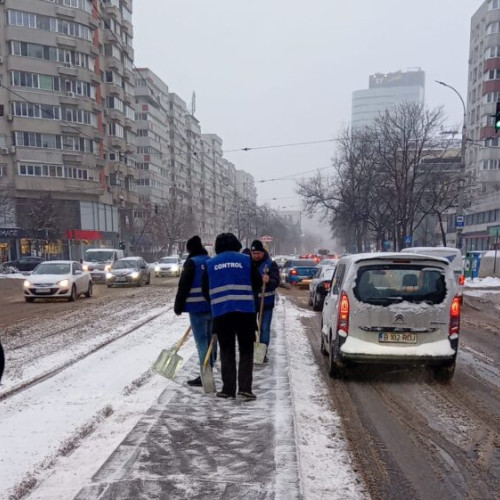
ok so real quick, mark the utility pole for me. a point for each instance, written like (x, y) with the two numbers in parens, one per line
(459, 217)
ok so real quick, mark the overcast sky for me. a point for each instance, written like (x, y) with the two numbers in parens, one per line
(269, 72)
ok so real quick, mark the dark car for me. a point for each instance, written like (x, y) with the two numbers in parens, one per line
(298, 272)
(129, 271)
(319, 287)
(24, 263)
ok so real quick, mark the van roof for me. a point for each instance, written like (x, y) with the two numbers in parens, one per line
(452, 254)
(359, 257)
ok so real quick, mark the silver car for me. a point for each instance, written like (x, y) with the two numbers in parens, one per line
(129, 271)
(392, 308)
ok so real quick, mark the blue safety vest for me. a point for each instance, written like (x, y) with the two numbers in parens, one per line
(230, 284)
(195, 302)
(268, 295)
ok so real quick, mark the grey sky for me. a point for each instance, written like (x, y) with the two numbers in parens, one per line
(270, 72)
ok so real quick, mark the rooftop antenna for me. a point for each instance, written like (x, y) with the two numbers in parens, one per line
(193, 103)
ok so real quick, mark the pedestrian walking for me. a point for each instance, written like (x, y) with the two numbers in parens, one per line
(230, 283)
(2, 361)
(190, 299)
(271, 277)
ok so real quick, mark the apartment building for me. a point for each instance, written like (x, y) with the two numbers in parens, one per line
(482, 216)
(67, 124)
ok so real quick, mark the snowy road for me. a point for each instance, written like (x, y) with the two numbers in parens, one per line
(58, 432)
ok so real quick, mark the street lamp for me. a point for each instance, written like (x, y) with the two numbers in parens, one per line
(459, 218)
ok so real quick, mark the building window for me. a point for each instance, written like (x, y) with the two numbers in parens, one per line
(494, 4)
(493, 27)
(46, 170)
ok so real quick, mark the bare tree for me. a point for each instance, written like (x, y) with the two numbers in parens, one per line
(7, 206)
(171, 225)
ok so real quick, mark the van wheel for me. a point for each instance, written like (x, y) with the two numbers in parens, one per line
(322, 347)
(336, 368)
(445, 372)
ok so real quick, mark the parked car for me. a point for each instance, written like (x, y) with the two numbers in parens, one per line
(168, 266)
(454, 255)
(298, 272)
(57, 279)
(129, 271)
(319, 286)
(24, 263)
(391, 307)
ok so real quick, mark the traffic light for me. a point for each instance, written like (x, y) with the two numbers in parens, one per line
(497, 118)
(121, 245)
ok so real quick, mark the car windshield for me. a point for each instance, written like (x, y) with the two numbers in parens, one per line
(389, 284)
(52, 268)
(98, 256)
(169, 260)
(125, 264)
(327, 274)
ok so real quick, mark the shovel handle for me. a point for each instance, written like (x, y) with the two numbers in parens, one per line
(209, 351)
(184, 337)
(261, 311)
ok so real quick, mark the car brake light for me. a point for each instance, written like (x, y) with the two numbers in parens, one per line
(461, 279)
(343, 318)
(327, 285)
(293, 271)
(454, 329)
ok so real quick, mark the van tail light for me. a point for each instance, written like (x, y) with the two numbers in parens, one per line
(343, 317)
(461, 279)
(454, 318)
(293, 272)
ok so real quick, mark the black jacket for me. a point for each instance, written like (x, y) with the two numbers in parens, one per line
(274, 279)
(186, 281)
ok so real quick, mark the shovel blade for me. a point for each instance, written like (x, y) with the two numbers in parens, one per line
(259, 352)
(168, 363)
(207, 379)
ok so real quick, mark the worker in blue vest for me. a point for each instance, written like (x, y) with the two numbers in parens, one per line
(271, 277)
(190, 299)
(230, 282)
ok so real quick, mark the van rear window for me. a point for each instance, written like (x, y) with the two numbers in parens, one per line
(390, 284)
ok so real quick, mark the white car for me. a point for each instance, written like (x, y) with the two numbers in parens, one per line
(168, 266)
(58, 279)
(392, 308)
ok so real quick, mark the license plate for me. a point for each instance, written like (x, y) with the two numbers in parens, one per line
(42, 290)
(120, 279)
(398, 338)
(95, 275)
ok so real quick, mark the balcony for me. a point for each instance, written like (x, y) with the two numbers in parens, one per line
(74, 158)
(67, 70)
(66, 13)
(63, 41)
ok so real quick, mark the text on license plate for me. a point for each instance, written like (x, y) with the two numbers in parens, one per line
(121, 279)
(398, 338)
(42, 290)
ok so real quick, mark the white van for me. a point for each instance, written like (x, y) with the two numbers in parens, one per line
(391, 308)
(98, 262)
(453, 255)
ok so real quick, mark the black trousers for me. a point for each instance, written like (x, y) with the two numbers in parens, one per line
(229, 327)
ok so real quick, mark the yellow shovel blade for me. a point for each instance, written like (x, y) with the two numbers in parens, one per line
(259, 352)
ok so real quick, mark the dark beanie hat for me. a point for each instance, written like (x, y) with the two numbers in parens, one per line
(227, 242)
(194, 244)
(257, 246)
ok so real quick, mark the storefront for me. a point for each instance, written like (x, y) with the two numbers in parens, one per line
(13, 243)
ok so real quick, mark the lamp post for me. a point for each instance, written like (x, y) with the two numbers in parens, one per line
(459, 218)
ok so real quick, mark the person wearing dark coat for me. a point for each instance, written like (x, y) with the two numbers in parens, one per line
(271, 277)
(230, 282)
(2, 361)
(190, 299)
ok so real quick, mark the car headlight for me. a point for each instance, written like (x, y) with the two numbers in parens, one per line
(157, 269)
(63, 283)
(175, 267)
(26, 284)
(135, 275)
(107, 267)
(85, 267)
(109, 275)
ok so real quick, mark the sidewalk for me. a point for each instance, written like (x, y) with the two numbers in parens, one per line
(197, 446)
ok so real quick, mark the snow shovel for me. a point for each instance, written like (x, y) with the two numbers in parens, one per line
(207, 376)
(169, 362)
(260, 349)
